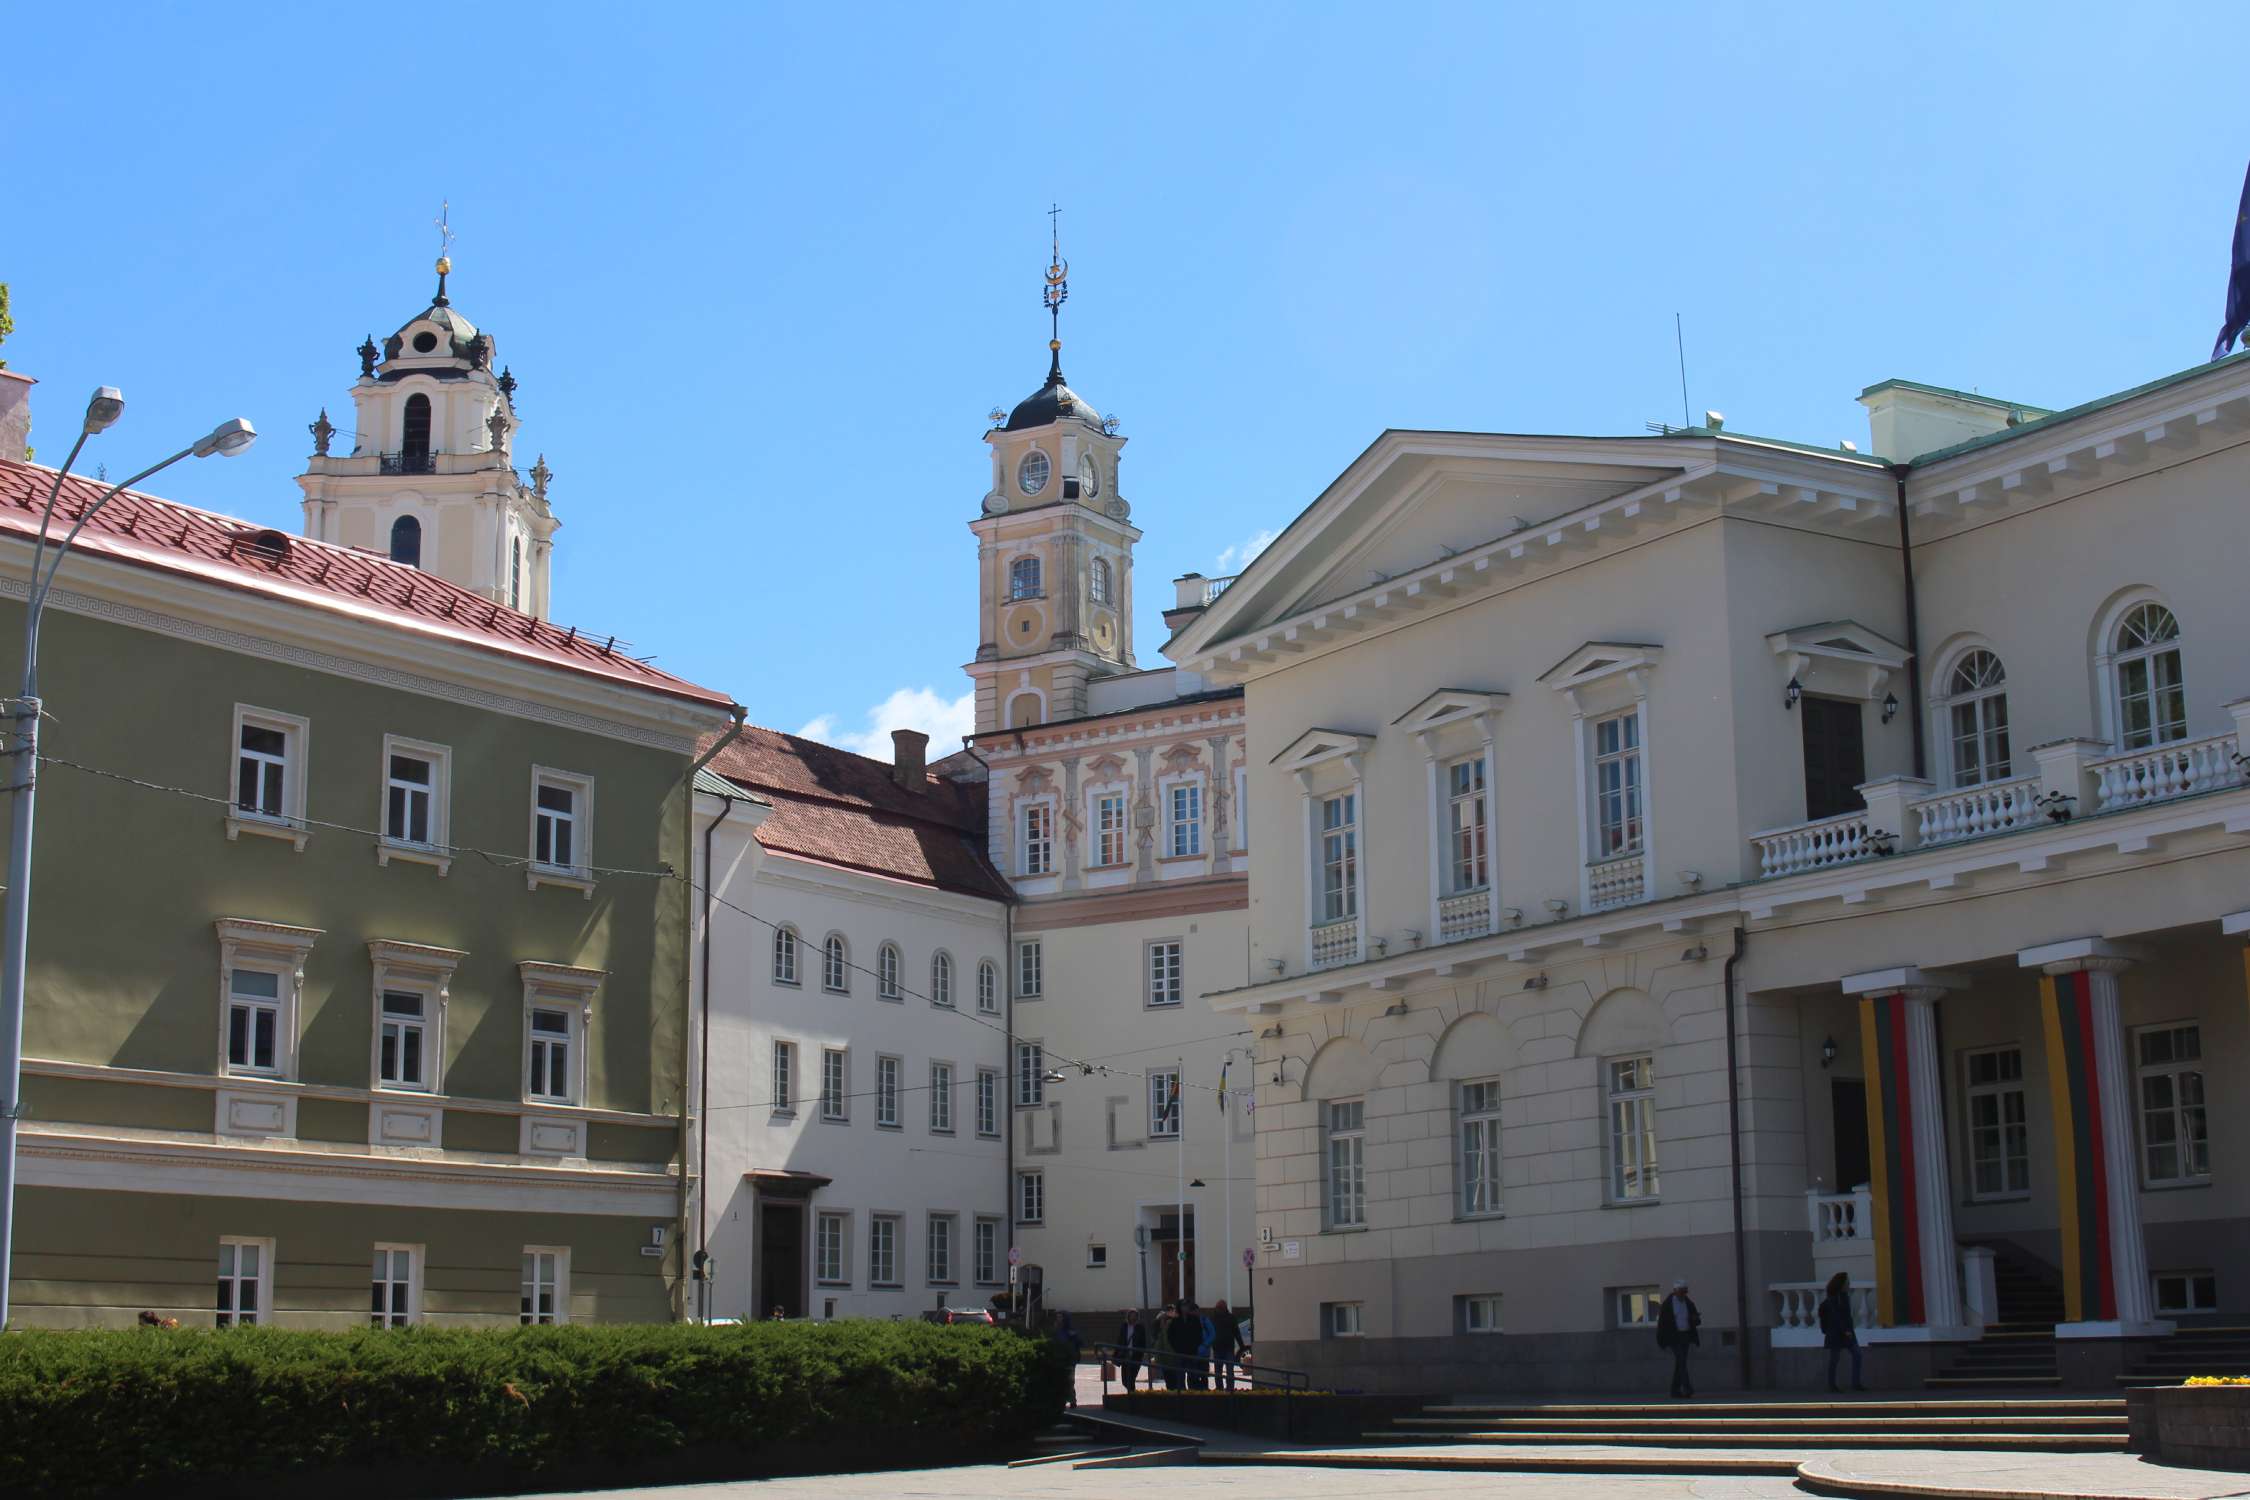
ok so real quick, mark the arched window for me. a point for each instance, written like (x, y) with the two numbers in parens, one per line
(835, 965)
(886, 972)
(941, 980)
(988, 986)
(414, 438)
(2151, 692)
(1098, 581)
(1023, 578)
(406, 541)
(1023, 710)
(1976, 715)
(785, 955)
(515, 572)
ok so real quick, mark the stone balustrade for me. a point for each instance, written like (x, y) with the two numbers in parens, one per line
(1973, 812)
(1335, 943)
(1466, 915)
(2163, 772)
(1811, 846)
(1616, 882)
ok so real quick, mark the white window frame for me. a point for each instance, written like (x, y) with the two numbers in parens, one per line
(788, 956)
(2117, 659)
(230, 1274)
(2199, 1066)
(1026, 577)
(988, 987)
(1336, 854)
(888, 1081)
(1984, 700)
(986, 1251)
(835, 964)
(1101, 586)
(578, 873)
(260, 1011)
(1467, 868)
(1035, 838)
(783, 1077)
(1635, 1173)
(294, 768)
(1031, 1197)
(1636, 1306)
(988, 1103)
(1477, 1129)
(941, 979)
(1343, 1320)
(941, 1243)
(1163, 965)
(1097, 1256)
(2185, 1304)
(889, 961)
(437, 849)
(1031, 1074)
(1628, 758)
(1997, 1090)
(1601, 680)
(1162, 1124)
(835, 1084)
(1183, 824)
(415, 968)
(266, 948)
(556, 1285)
(832, 1255)
(388, 1317)
(571, 990)
(1031, 969)
(1343, 1171)
(1109, 816)
(941, 1098)
(882, 1250)
(1480, 1313)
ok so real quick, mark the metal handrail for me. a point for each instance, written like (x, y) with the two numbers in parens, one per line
(1247, 1372)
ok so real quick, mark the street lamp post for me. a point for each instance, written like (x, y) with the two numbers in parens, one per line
(227, 439)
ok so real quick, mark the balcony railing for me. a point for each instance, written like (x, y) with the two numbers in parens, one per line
(1811, 846)
(1335, 943)
(1466, 915)
(1616, 882)
(409, 463)
(1841, 1218)
(2166, 771)
(1796, 1314)
(1975, 811)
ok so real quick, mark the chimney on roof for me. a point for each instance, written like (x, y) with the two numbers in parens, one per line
(910, 754)
(15, 415)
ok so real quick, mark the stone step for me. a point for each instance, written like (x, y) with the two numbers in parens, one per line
(1642, 1411)
(1988, 1383)
(1767, 1437)
(1871, 1418)
(1568, 1459)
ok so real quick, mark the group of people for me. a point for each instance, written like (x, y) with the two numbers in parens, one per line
(1678, 1329)
(1189, 1349)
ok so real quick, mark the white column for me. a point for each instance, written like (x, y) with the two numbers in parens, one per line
(1933, 1189)
(1365, 925)
(1491, 829)
(1586, 810)
(1312, 866)
(1437, 837)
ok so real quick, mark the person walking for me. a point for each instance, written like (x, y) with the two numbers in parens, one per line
(1837, 1329)
(1186, 1341)
(1677, 1328)
(1226, 1342)
(1132, 1341)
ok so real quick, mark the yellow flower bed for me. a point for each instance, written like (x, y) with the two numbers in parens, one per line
(2218, 1380)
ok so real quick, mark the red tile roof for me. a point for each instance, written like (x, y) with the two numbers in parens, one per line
(844, 809)
(150, 532)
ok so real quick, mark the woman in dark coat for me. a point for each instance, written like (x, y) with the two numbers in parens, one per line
(1836, 1327)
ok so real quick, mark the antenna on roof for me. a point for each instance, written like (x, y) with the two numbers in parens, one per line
(1679, 338)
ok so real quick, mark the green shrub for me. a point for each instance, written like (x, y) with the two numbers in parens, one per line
(423, 1411)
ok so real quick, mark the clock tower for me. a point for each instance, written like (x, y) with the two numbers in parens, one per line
(1054, 550)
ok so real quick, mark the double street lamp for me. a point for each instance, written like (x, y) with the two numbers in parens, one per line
(22, 753)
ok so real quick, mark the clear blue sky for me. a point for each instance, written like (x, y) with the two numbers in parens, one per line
(762, 270)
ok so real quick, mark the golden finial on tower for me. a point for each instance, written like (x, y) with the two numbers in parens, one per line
(445, 245)
(1057, 292)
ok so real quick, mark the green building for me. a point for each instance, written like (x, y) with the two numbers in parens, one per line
(366, 995)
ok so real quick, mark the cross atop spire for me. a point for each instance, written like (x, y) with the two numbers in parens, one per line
(445, 246)
(1057, 292)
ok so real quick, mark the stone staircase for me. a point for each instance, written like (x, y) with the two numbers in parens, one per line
(1071, 1440)
(2090, 1425)
(2018, 1352)
(2192, 1351)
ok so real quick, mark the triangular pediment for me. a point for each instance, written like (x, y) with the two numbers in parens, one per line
(1599, 659)
(1449, 706)
(1844, 639)
(1318, 746)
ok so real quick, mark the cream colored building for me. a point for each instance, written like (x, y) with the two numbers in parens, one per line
(1654, 877)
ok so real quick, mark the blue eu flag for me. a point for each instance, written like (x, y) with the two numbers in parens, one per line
(2238, 285)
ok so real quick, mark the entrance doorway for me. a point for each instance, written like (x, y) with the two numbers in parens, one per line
(1176, 1277)
(1848, 1099)
(1835, 755)
(781, 1259)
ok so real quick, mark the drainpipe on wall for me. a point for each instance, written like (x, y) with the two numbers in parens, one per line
(1913, 626)
(1007, 1100)
(703, 1087)
(1734, 1150)
(688, 1032)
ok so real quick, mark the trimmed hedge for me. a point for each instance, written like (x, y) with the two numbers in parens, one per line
(442, 1412)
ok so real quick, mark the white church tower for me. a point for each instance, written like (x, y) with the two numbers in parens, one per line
(430, 478)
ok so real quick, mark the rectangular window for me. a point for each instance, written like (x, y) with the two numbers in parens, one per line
(1465, 827)
(833, 1084)
(253, 1021)
(551, 1036)
(1340, 1320)
(1039, 838)
(1185, 823)
(1031, 970)
(1097, 1257)
(546, 1286)
(988, 1102)
(1339, 857)
(941, 1249)
(1635, 1306)
(882, 1250)
(2180, 1292)
(941, 1098)
(886, 1092)
(1479, 1313)
(2175, 1135)
(784, 1077)
(562, 808)
(245, 1268)
(415, 793)
(1617, 785)
(403, 1043)
(988, 1252)
(1164, 972)
(1109, 828)
(1632, 1128)
(1480, 1147)
(397, 1286)
(830, 1231)
(1031, 1075)
(1347, 1164)
(1163, 1103)
(1031, 1197)
(1999, 1132)
(269, 770)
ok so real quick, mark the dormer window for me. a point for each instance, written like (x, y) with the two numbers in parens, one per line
(406, 541)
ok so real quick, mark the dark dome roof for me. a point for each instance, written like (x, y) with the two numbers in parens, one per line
(1053, 402)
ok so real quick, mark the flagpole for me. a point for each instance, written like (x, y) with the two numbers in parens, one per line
(1226, 1170)
(1179, 1138)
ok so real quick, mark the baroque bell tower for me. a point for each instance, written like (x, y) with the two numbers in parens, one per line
(1054, 549)
(429, 478)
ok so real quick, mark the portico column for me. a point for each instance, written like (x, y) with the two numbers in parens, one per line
(1916, 1282)
(2106, 1290)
